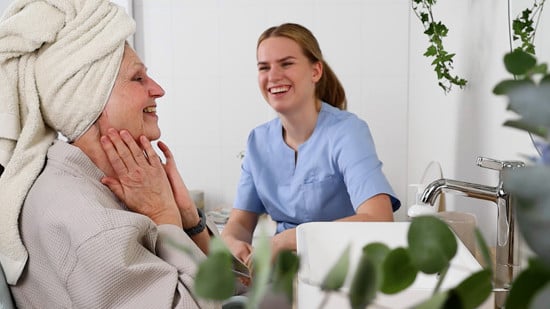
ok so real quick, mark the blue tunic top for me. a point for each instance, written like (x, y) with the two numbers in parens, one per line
(336, 170)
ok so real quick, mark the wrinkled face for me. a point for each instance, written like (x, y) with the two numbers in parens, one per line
(132, 105)
(285, 75)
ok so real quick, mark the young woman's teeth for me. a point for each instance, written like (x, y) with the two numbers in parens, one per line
(150, 109)
(278, 89)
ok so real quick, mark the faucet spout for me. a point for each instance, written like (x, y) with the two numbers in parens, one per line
(433, 190)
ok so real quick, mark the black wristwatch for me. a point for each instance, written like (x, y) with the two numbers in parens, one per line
(199, 227)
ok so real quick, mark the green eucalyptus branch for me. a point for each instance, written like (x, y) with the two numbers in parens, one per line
(431, 245)
(436, 31)
(528, 96)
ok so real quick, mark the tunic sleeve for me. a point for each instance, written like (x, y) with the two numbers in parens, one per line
(359, 163)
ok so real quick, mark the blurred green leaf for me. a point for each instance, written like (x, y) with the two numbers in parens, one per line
(217, 245)
(508, 85)
(540, 69)
(336, 276)
(519, 62)
(437, 301)
(261, 271)
(518, 124)
(535, 278)
(531, 188)
(284, 272)
(377, 253)
(432, 244)
(475, 289)
(530, 182)
(399, 272)
(532, 103)
(215, 280)
(363, 285)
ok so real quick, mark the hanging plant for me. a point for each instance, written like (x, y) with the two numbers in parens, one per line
(436, 31)
(525, 26)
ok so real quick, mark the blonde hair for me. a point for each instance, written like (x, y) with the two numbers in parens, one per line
(328, 88)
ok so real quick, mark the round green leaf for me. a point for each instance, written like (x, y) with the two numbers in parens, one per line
(508, 85)
(519, 62)
(398, 271)
(336, 276)
(535, 278)
(475, 289)
(215, 280)
(363, 286)
(377, 252)
(432, 244)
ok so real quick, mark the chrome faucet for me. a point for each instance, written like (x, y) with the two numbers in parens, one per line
(507, 259)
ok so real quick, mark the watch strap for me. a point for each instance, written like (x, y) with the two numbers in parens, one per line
(192, 231)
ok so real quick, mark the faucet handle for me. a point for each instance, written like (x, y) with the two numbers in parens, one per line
(498, 165)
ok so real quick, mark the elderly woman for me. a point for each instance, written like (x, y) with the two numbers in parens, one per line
(90, 222)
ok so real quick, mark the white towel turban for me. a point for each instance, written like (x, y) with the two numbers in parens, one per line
(58, 63)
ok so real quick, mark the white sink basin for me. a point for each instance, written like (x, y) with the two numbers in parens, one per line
(320, 244)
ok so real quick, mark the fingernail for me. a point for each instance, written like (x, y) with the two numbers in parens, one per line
(111, 132)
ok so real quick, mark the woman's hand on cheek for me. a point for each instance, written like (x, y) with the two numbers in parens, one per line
(140, 180)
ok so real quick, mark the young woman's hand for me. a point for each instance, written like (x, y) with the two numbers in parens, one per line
(240, 249)
(286, 240)
(141, 181)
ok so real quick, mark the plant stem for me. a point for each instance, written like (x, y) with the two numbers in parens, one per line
(440, 279)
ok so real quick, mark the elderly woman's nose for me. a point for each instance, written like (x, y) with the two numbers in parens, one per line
(156, 90)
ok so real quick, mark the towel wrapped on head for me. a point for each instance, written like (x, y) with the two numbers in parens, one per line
(58, 63)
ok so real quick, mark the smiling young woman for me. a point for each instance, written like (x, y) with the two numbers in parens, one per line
(315, 161)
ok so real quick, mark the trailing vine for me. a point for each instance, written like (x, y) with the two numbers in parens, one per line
(525, 26)
(436, 31)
